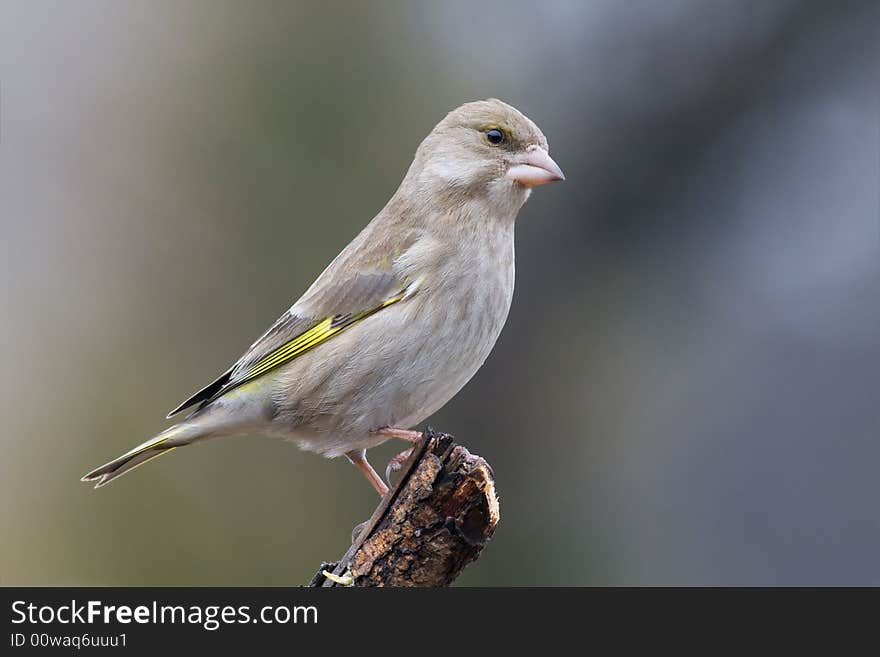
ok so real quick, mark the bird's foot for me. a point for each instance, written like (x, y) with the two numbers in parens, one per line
(404, 434)
(397, 462)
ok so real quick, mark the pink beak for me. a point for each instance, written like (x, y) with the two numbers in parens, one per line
(534, 168)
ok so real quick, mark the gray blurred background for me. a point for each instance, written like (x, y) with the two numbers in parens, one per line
(686, 389)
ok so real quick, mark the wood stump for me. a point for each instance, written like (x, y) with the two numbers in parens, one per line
(433, 522)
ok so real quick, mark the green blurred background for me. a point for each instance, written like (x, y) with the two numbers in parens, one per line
(686, 389)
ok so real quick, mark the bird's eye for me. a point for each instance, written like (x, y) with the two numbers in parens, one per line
(494, 136)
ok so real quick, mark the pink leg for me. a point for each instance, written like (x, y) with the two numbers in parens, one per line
(359, 459)
(404, 434)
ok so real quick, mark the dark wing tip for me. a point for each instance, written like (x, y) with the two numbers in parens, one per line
(204, 394)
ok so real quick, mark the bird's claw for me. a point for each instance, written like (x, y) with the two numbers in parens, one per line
(396, 463)
(356, 532)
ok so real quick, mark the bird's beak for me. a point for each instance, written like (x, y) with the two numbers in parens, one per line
(534, 167)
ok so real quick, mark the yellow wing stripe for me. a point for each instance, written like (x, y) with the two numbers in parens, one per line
(319, 333)
(286, 350)
(293, 349)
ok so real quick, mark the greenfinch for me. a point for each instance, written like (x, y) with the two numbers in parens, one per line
(399, 321)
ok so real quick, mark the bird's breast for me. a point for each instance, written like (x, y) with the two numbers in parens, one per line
(459, 318)
(402, 364)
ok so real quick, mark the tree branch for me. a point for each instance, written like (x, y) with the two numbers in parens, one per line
(430, 525)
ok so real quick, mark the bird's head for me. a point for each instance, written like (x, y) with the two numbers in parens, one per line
(485, 148)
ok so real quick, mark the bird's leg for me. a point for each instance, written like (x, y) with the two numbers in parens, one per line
(404, 434)
(397, 462)
(359, 458)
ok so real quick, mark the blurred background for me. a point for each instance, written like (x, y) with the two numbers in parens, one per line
(701, 409)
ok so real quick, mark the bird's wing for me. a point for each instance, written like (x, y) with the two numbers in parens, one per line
(328, 308)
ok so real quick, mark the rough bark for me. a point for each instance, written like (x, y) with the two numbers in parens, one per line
(433, 522)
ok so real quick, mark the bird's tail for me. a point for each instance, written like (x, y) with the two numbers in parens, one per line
(173, 437)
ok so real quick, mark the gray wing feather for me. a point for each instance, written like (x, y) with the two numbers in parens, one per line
(362, 291)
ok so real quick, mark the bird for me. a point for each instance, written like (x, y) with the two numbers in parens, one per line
(399, 321)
